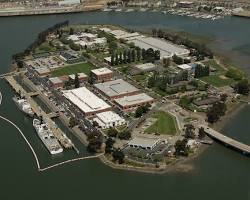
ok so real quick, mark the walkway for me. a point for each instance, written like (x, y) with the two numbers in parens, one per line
(227, 140)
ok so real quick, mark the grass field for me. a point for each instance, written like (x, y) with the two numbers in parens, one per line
(165, 124)
(73, 69)
(217, 81)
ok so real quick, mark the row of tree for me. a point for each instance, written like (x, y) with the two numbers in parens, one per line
(133, 55)
(42, 37)
(201, 71)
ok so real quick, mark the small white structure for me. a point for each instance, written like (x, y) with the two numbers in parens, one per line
(185, 67)
(144, 142)
(109, 119)
(69, 2)
(192, 144)
(146, 67)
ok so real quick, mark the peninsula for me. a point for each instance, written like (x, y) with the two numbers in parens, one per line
(144, 101)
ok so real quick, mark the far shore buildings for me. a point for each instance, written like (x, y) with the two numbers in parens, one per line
(86, 101)
(109, 119)
(101, 75)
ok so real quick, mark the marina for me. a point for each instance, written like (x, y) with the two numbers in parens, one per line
(57, 132)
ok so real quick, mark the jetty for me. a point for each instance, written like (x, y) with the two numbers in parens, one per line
(245, 149)
(58, 133)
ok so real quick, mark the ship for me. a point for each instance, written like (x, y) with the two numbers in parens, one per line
(23, 105)
(48, 139)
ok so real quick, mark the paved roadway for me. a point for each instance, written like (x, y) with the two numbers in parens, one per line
(227, 140)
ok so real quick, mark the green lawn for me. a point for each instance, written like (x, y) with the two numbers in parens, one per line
(165, 124)
(217, 81)
(214, 64)
(73, 69)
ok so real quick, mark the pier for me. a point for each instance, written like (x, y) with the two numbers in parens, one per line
(245, 149)
(58, 133)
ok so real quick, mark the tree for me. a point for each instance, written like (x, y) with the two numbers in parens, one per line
(124, 56)
(113, 46)
(133, 56)
(124, 135)
(181, 148)
(216, 111)
(120, 58)
(95, 142)
(109, 145)
(116, 59)
(77, 82)
(141, 110)
(138, 54)
(112, 132)
(71, 31)
(157, 55)
(118, 155)
(178, 60)
(112, 59)
(223, 97)
(189, 131)
(242, 87)
(166, 62)
(72, 122)
(202, 133)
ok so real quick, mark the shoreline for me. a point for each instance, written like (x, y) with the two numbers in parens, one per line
(220, 125)
(182, 164)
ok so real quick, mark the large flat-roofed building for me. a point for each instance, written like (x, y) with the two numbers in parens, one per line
(101, 74)
(116, 89)
(129, 103)
(144, 142)
(86, 101)
(109, 119)
(166, 48)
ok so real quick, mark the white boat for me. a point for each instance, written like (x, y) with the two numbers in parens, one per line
(129, 10)
(23, 105)
(48, 139)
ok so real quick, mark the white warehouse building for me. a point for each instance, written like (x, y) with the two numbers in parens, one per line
(109, 119)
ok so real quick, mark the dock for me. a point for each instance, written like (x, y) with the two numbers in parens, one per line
(245, 149)
(58, 133)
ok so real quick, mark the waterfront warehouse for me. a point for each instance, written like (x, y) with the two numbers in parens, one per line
(86, 101)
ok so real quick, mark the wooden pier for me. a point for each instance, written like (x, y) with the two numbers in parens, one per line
(58, 133)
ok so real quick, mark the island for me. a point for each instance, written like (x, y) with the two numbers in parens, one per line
(143, 101)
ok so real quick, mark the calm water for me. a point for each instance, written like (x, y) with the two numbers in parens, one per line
(218, 174)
